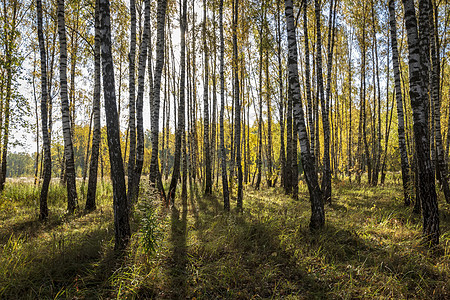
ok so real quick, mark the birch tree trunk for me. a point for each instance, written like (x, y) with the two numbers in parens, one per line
(38, 157)
(363, 106)
(441, 166)
(426, 189)
(155, 174)
(132, 102)
(226, 197)
(133, 188)
(7, 111)
(425, 61)
(43, 207)
(72, 202)
(398, 96)
(10, 22)
(377, 146)
(73, 46)
(120, 203)
(389, 113)
(181, 109)
(260, 140)
(269, 122)
(317, 210)
(330, 49)
(194, 134)
(88, 148)
(294, 149)
(206, 151)
(326, 176)
(350, 104)
(289, 151)
(308, 76)
(281, 100)
(237, 107)
(96, 134)
(213, 144)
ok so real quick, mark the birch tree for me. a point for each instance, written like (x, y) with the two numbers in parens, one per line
(120, 203)
(43, 207)
(139, 159)
(96, 135)
(441, 166)
(237, 106)
(426, 188)
(223, 154)
(181, 107)
(155, 174)
(317, 209)
(206, 146)
(326, 176)
(132, 101)
(281, 98)
(72, 202)
(398, 96)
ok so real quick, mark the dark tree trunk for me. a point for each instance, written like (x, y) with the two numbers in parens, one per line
(441, 166)
(132, 102)
(88, 151)
(294, 162)
(281, 100)
(43, 208)
(226, 198)
(38, 157)
(181, 110)
(96, 135)
(389, 113)
(134, 188)
(377, 145)
(120, 203)
(326, 176)
(155, 175)
(350, 105)
(268, 95)
(308, 76)
(4, 128)
(213, 144)
(206, 148)
(260, 120)
(237, 107)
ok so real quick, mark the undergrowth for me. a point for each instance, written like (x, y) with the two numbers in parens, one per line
(371, 247)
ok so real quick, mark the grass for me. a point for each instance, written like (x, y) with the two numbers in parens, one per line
(371, 247)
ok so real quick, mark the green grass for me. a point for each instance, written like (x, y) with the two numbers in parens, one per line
(371, 247)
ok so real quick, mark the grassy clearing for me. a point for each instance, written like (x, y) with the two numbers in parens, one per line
(371, 248)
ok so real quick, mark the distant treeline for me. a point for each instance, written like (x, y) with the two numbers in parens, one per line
(20, 164)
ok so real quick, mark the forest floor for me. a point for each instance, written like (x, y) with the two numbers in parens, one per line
(371, 247)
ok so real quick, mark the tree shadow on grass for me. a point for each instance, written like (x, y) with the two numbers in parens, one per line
(242, 259)
(372, 264)
(193, 194)
(66, 265)
(240, 256)
(237, 257)
(32, 227)
(209, 204)
(178, 260)
(267, 268)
